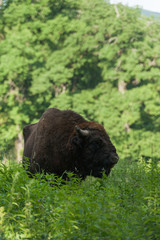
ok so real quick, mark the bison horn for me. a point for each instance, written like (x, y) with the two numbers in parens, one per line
(81, 132)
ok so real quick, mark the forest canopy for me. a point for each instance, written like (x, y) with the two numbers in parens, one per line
(98, 59)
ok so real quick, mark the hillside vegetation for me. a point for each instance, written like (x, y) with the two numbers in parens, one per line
(95, 58)
(150, 13)
(102, 61)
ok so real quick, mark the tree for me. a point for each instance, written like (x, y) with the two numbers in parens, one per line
(81, 55)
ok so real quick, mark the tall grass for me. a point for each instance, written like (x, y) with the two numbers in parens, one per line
(125, 205)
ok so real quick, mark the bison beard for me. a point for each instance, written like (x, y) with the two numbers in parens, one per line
(64, 141)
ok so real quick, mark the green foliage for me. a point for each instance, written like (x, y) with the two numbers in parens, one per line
(125, 205)
(98, 59)
(57, 45)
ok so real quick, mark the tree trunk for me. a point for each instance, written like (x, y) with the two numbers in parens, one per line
(122, 87)
(19, 145)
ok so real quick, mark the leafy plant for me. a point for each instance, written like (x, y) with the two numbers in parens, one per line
(124, 205)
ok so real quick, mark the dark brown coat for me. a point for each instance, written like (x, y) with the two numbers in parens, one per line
(64, 141)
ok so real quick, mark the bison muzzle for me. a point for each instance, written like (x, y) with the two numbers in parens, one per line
(64, 141)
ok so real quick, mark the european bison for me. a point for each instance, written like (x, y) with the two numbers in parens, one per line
(64, 141)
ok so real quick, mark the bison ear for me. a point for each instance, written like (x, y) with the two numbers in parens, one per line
(76, 141)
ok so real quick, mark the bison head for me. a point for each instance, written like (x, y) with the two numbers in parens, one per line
(96, 153)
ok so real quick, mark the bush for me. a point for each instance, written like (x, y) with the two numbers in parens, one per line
(125, 205)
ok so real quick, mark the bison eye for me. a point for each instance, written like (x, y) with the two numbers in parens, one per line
(93, 146)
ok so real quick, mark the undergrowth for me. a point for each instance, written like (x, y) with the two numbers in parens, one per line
(125, 205)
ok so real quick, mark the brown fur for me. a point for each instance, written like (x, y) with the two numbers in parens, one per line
(54, 145)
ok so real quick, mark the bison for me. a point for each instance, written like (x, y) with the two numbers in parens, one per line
(64, 141)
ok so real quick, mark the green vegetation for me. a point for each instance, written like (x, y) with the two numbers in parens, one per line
(100, 60)
(124, 206)
(103, 62)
